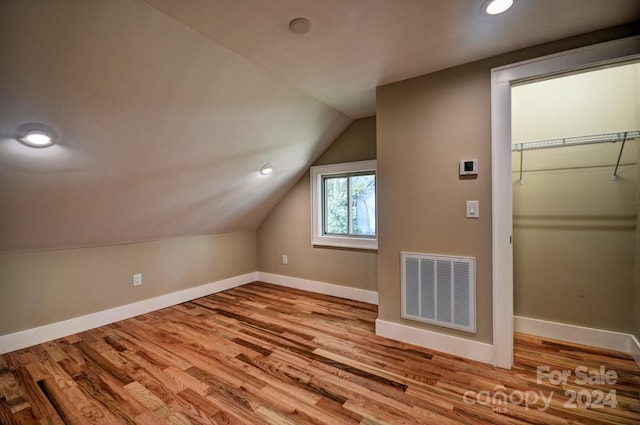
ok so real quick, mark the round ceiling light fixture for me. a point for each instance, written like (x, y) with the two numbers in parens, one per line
(266, 169)
(36, 135)
(300, 25)
(496, 7)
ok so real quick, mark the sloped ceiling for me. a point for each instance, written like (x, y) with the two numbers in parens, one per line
(166, 109)
(162, 131)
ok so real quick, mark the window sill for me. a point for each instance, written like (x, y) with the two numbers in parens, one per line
(341, 242)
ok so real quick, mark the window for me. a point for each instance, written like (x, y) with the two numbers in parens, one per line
(343, 205)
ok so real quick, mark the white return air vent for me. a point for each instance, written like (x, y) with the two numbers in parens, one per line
(439, 290)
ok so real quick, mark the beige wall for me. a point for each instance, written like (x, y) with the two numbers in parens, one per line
(574, 236)
(287, 230)
(425, 126)
(594, 102)
(39, 288)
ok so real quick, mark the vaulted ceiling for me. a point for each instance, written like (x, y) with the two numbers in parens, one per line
(165, 109)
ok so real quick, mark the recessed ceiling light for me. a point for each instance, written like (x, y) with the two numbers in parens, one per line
(266, 169)
(36, 135)
(37, 138)
(496, 7)
(300, 25)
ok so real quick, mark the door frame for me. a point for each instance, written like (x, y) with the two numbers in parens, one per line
(502, 79)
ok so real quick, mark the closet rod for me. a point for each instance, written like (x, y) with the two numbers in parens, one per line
(577, 141)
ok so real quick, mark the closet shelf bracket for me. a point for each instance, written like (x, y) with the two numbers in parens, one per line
(614, 177)
(521, 165)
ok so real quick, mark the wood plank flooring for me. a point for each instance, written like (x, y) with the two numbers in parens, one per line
(263, 354)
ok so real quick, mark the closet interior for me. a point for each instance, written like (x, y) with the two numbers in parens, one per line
(575, 198)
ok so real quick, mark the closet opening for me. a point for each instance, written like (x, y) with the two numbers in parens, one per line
(575, 193)
(599, 56)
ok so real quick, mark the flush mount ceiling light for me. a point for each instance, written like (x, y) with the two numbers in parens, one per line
(300, 25)
(496, 7)
(36, 135)
(266, 169)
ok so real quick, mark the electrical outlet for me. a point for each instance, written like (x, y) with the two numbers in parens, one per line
(285, 259)
(137, 279)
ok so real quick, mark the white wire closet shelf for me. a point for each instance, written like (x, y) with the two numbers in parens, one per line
(621, 136)
(577, 141)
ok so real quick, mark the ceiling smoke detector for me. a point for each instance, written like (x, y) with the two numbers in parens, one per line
(300, 25)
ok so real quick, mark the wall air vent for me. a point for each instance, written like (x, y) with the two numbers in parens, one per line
(439, 290)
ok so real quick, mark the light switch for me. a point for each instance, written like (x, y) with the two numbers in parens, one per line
(473, 209)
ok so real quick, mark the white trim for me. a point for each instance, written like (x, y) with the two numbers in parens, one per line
(467, 348)
(501, 80)
(317, 232)
(572, 333)
(340, 291)
(501, 223)
(635, 350)
(29, 337)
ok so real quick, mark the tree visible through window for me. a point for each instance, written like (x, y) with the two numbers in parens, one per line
(350, 205)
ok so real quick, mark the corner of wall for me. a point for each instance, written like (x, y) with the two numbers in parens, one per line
(287, 228)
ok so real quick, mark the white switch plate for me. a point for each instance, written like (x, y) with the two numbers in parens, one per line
(285, 259)
(137, 279)
(473, 209)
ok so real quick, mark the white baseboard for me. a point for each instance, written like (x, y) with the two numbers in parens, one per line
(454, 345)
(339, 291)
(571, 333)
(635, 350)
(29, 337)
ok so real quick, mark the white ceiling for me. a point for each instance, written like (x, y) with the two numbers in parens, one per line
(356, 45)
(166, 109)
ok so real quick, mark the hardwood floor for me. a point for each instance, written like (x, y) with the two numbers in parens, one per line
(263, 354)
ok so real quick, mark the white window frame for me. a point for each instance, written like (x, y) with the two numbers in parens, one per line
(317, 229)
